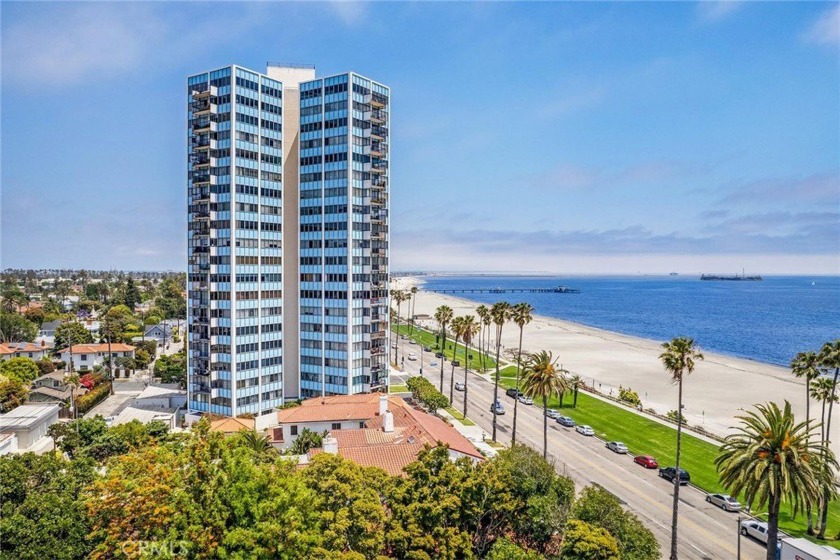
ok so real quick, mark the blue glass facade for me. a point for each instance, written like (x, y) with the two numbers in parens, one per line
(234, 242)
(343, 235)
(235, 238)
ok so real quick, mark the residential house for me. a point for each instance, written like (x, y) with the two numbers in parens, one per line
(8, 443)
(371, 430)
(47, 333)
(29, 423)
(163, 402)
(9, 350)
(53, 388)
(88, 356)
(230, 426)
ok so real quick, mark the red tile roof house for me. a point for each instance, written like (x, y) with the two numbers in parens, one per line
(88, 356)
(371, 430)
(10, 350)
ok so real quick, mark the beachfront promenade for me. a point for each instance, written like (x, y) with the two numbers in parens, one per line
(713, 395)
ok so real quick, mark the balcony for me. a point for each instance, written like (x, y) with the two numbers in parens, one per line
(378, 117)
(201, 216)
(200, 388)
(379, 168)
(199, 178)
(378, 101)
(377, 149)
(201, 142)
(199, 160)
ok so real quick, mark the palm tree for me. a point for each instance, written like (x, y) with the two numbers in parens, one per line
(257, 444)
(457, 330)
(399, 296)
(443, 315)
(521, 315)
(678, 358)
(821, 392)
(807, 365)
(829, 358)
(469, 329)
(413, 296)
(771, 459)
(542, 379)
(483, 321)
(575, 382)
(500, 314)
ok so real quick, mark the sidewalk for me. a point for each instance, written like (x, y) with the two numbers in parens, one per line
(475, 434)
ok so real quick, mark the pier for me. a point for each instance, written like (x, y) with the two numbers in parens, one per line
(554, 290)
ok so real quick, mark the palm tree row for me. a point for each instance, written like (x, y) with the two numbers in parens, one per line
(820, 371)
(398, 296)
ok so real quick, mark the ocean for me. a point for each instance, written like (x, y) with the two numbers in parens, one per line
(768, 321)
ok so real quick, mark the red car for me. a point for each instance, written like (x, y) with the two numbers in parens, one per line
(646, 461)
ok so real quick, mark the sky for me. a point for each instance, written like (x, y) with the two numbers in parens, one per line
(600, 138)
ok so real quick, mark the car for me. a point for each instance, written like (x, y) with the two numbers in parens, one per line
(617, 447)
(513, 393)
(438, 354)
(669, 473)
(402, 336)
(456, 363)
(646, 461)
(412, 341)
(585, 430)
(525, 400)
(553, 414)
(724, 502)
(394, 345)
(566, 421)
(433, 364)
(754, 529)
(497, 408)
(460, 386)
(427, 348)
(412, 356)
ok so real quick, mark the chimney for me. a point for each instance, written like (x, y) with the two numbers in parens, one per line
(330, 445)
(383, 404)
(388, 422)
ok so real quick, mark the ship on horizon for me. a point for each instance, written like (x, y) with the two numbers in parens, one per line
(742, 277)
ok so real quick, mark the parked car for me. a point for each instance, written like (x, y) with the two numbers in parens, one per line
(393, 345)
(412, 341)
(724, 501)
(553, 414)
(497, 408)
(459, 386)
(754, 529)
(513, 393)
(668, 473)
(412, 356)
(456, 363)
(526, 400)
(646, 461)
(427, 348)
(617, 447)
(585, 430)
(438, 354)
(566, 421)
(433, 364)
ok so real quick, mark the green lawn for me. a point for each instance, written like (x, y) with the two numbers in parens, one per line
(646, 437)
(507, 371)
(427, 338)
(460, 417)
(398, 389)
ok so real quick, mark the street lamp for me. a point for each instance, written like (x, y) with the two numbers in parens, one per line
(422, 353)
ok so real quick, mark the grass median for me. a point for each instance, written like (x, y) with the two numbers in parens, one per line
(459, 417)
(644, 436)
(427, 339)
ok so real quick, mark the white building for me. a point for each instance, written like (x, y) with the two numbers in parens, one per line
(165, 402)
(88, 356)
(29, 423)
(9, 350)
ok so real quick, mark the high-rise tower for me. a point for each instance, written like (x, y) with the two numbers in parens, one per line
(287, 237)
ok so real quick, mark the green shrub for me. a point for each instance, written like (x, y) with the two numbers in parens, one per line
(629, 396)
(92, 398)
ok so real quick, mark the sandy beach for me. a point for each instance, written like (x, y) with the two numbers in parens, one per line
(713, 394)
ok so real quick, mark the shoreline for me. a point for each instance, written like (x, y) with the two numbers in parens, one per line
(718, 390)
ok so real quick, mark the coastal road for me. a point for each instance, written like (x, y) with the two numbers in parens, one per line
(705, 531)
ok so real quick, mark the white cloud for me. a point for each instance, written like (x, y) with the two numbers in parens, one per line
(716, 10)
(70, 44)
(571, 103)
(826, 30)
(351, 14)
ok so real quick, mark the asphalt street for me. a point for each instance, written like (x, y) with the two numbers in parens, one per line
(705, 531)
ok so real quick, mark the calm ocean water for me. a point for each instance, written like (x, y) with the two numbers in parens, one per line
(769, 321)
